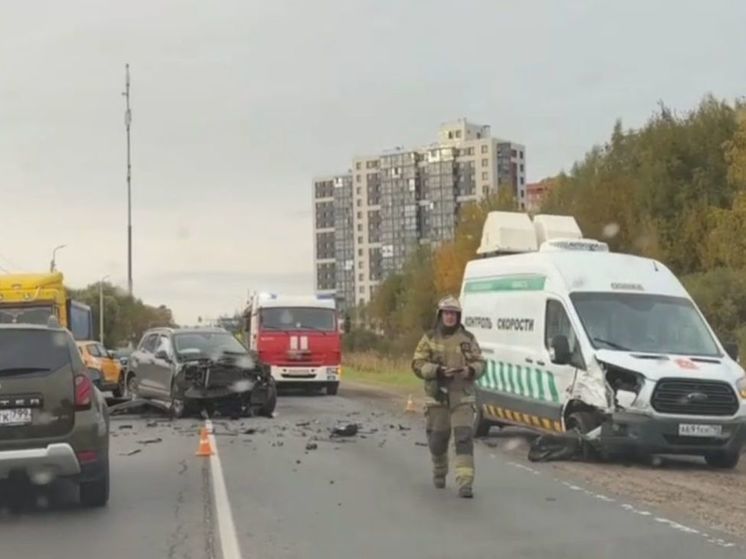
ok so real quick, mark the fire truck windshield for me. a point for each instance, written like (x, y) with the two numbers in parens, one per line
(298, 318)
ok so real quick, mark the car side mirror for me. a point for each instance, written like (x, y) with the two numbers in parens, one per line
(163, 355)
(731, 349)
(559, 350)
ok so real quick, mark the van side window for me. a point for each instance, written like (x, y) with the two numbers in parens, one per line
(558, 324)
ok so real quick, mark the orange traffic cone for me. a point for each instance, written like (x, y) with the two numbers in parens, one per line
(411, 408)
(205, 448)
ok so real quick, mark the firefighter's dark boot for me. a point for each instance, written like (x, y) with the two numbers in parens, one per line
(465, 492)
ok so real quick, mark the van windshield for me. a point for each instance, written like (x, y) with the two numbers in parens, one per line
(644, 323)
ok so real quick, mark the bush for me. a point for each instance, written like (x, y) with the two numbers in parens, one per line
(721, 295)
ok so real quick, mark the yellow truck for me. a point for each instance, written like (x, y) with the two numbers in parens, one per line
(34, 298)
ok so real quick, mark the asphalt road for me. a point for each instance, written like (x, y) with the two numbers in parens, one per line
(363, 496)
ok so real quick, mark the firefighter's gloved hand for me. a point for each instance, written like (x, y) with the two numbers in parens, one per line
(466, 373)
(449, 372)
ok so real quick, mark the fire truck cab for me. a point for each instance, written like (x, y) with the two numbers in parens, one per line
(298, 337)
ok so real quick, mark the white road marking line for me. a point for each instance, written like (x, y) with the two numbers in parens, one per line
(226, 528)
(524, 468)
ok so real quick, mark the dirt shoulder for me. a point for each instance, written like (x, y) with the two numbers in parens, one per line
(681, 486)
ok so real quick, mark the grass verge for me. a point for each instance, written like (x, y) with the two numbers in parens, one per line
(383, 371)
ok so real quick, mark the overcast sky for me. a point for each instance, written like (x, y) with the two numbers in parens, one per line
(238, 104)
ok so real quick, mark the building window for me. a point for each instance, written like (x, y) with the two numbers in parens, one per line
(361, 289)
(523, 180)
(521, 154)
(358, 190)
(485, 148)
(361, 277)
(357, 165)
(485, 189)
(522, 168)
(484, 176)
(360, 215)
(485, 162)
(358, 178)
(523, 194)
(360, 251)
(360, 240)
(359, 202)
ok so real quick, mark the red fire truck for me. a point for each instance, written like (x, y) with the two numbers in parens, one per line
(299, 337)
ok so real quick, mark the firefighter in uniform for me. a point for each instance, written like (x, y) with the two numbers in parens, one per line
(448, 359)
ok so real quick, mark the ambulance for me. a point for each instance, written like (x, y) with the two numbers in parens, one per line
(580, 338)
(299, 337)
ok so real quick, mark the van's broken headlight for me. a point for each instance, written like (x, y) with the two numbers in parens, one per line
(741, 387)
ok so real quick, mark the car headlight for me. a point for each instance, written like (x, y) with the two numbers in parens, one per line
(741, 387)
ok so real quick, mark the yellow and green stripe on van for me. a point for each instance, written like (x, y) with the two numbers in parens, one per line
(521, 380)
(511, 283)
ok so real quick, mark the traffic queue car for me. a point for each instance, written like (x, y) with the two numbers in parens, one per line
(99, 359)
(53, 422)
(201, 369)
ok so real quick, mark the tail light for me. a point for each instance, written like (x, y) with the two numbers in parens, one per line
(83, 392)
(87, 456)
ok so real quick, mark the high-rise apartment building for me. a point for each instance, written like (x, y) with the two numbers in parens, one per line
(395, 201)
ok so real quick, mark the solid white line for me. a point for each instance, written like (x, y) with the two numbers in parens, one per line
(226, 528)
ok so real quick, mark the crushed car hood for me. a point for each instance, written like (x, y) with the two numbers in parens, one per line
(658, 366)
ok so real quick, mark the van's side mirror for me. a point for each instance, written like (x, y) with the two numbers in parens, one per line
(732, 350)
(559, 350)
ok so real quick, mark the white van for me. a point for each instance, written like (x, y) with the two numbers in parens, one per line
(577, 337)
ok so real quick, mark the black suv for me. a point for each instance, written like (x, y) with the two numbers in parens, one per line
(200, 369)
(53, 422)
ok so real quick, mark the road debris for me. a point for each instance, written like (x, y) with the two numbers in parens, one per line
(151, 441)
(303, 424)
(311, 446)
(125, 426)
(249, 431)
(139, 406)
(419, 443)
(131, 452)
(404, 428)
(347, 430)
(566, 446)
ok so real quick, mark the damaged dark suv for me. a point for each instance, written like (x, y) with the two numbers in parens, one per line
(200, 370)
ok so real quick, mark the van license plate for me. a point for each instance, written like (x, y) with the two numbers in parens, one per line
(696, 430)
(18, 416)
(299, 372)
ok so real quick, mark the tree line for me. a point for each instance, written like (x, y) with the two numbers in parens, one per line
(126, 318)
(673, 189)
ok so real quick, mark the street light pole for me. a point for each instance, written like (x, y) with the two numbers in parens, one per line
(127, 123)
(53, 263)
(101, 309)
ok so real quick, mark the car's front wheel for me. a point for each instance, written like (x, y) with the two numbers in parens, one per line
(120, 389)
(131, 386)
(95, 493)
(268, 408)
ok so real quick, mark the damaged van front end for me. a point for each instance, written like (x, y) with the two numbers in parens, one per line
(667, 404)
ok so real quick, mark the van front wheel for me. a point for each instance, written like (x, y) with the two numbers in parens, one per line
(582, 421)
